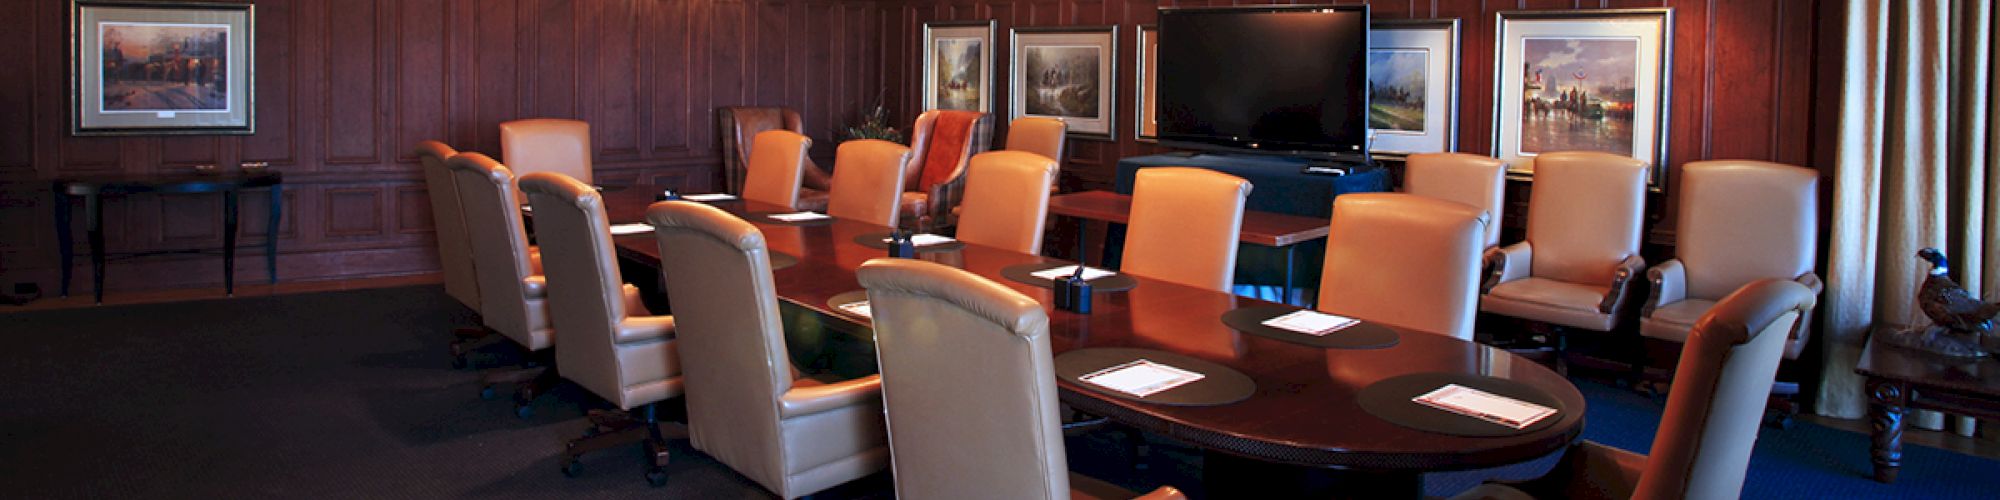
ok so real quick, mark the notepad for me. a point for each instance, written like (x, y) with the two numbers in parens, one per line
(1141, 378)
(859, 308)
(526, 208)
(1486, 406)
(926, 239)
(709, 197)
(1089, 273)
(1311, 322)
(633, 228)
(799, 216)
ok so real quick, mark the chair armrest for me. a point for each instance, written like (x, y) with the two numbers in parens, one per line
(1811, 281)
(535, 260)
(1508, 263)
(634, 305)
(1621, 281)
(815, 178)
(1669, 285)
(802, 401)
(643, 328)
(942, 199)
(1803, 328)
(535, 287)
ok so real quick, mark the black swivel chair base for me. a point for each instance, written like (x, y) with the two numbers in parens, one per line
(465, 340)
(613, 428)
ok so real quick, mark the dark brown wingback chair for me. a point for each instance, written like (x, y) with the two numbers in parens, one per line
(738, 125)
(942, 144)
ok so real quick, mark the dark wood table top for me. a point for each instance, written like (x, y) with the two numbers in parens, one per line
(1304, 411)
(1259, 228)
(167, 182)
(1971, 375)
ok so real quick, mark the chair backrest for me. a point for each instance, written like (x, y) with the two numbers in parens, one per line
(586, 297)
(1702, 449)
(1585, 214)
(547, 145)
(973, 135)
(732, 348)
(868, 181)
(1476, 180)
(447, 217)
(777, 160)
(1184, 227)
(1038, 135)
(1743, 220)
(1007, 200)
(738, 126)
(498, 241)
(1405, 260)
(968, 383)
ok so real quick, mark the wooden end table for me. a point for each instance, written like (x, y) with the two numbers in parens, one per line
(1901, 379)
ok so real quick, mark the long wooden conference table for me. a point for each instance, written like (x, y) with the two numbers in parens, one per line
(1303, 415)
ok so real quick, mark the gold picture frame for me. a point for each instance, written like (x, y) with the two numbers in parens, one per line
(146, 68)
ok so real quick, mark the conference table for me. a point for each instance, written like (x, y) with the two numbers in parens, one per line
(1303, 416)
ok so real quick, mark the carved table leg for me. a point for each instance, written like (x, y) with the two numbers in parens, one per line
(1887, 400)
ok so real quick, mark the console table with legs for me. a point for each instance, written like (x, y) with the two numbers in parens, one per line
(93, 188)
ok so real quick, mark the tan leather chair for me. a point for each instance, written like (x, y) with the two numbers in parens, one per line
(739, 125)
(1184, 227)
(1475, 180)
(1582, 251)
(745, 406)
(1007, 200)
(935, 179)
(868, 181)
(547, 145)
(1042, 136)
(969, 384)
(610, 344)
(1702, 448)
(512, 294)
(1404, 260)
(454, 252)
(776, 162)
(1740, 221)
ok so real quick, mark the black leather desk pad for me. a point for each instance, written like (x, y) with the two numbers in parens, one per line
(1363, 335)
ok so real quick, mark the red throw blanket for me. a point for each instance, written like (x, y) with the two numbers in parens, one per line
(949, 135)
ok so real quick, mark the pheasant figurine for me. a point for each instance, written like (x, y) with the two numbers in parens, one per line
(1958, 319)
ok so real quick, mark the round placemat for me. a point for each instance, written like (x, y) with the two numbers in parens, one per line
(1220, 385)
(781, 260)
(1363, 335)
(1389, 399)
(765, 217)
(1024, 273)
(837, 300)
(874, 240)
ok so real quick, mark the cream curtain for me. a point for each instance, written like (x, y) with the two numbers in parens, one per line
(1915, 167)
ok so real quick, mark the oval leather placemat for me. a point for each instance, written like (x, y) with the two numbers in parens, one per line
(1363, 335)
(765, 217)
(1389, 400)
(874, 240)
(1220, 385)
(1024, 273)
(781, 260)
(835, 301)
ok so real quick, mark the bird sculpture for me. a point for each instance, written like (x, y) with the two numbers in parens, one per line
(1958, 320)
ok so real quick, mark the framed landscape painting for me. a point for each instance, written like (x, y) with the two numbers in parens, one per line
(1146, 124)
(1066, 73)
(1413, 86)
(958, 65)
(1594, 80)
(161, 68)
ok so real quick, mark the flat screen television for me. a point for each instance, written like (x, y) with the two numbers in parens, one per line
(1281, 80)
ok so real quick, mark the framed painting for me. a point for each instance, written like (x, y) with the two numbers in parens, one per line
(958, 65)
(1590, 80)
(1066, 73)
(1413, 86)
(1146, 123)
(162, 68)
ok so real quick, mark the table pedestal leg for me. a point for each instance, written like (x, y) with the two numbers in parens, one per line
(1289, 251)
(93, 206)
(1885, 415)
(1228, 476)
(65, 246)
(229, 243)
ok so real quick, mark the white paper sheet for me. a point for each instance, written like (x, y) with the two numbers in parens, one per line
(526, 208)
(859, 308)
(1484, 405)
(799, 216)
(633, 228)
(926, 239)
(1311, 322)
(1141, 378)
(1089, 273)
(708, 197)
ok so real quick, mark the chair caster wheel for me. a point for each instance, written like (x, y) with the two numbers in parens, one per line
(524, 411)
(488, 393)
(572, 468)
(656, 477)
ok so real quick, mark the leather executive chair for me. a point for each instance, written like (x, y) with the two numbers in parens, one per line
(935, 179)
(1007, 200)
(738, 127)
(868, 178)
(745, 407)
(1038, 135)
(454, 249)
(1576, 266)
(1404, 260)
(776, 164)
(940, 331)
(1475, 180)
(1702, 448)
(547, 145)
(1184, 226)
(610, 344)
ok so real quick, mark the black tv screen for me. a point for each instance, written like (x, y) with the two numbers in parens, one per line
(1289, 80)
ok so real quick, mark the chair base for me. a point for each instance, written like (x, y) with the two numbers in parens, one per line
(614, 428)
(529, 384)
(468, 339)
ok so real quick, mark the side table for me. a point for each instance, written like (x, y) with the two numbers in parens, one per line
(1901, 379)
(93, 188)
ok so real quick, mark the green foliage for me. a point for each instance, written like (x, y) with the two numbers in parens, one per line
(875, 125)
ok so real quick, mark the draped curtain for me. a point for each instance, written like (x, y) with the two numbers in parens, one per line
(1917, 165)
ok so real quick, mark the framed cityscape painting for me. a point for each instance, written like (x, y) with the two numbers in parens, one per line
(958, 65)
(1413, 86)
(161, 68)
(1593, 80)
(1145, 110)
(1066, 73)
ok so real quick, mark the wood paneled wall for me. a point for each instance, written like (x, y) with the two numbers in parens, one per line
(346, 89)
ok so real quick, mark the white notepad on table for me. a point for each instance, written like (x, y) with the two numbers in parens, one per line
(926, 239)
(1089, 273)
(1141, 378)
(799, 216)
(633, 228)
(709, 197)
(859, 308)
(1311, 322)
(1486, 406)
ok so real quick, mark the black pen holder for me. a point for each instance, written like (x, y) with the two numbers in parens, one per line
(1073, 294)
(900, 245)
(667, 195)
